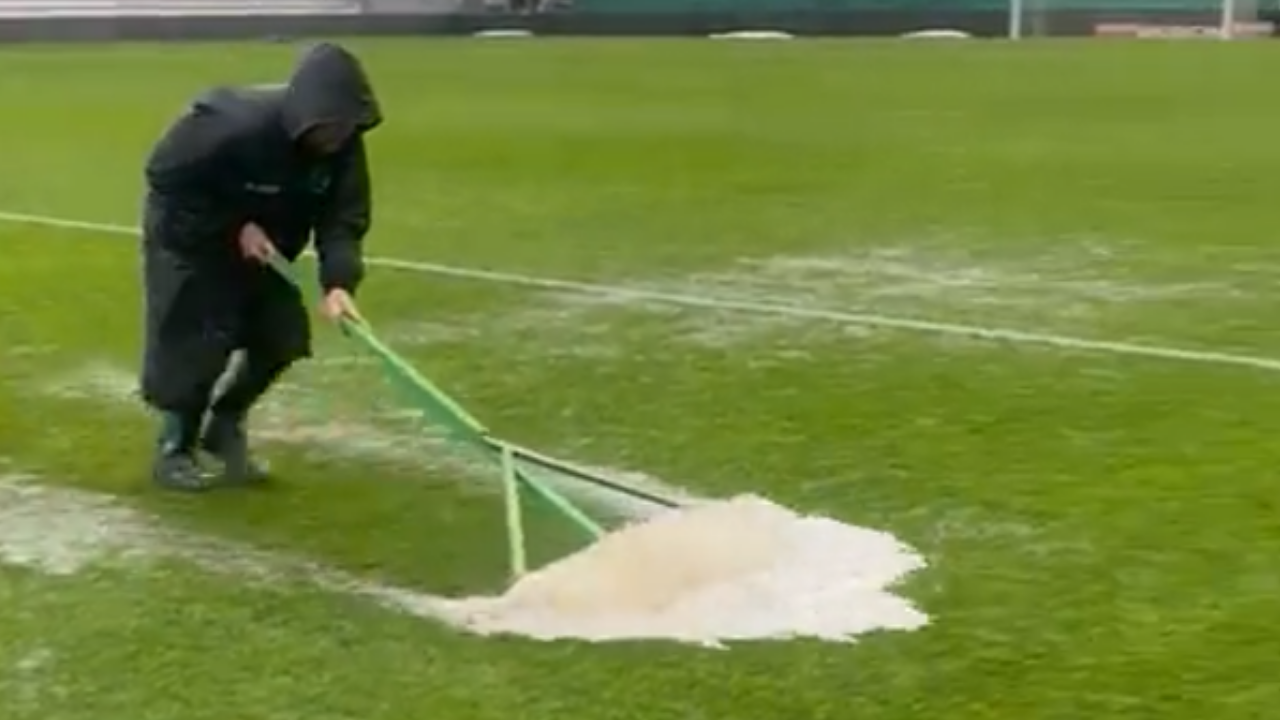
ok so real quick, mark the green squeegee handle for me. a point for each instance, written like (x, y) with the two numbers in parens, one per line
(462, 423)
(361, 330)
(467, 427)
(427, 395)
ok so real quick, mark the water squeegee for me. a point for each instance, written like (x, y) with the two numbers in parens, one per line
(438, 409)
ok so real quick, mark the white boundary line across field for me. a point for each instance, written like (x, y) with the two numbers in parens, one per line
(780, 309)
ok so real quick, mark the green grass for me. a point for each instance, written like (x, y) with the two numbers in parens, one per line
(1101, 529)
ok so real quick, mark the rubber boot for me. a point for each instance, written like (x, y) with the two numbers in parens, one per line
(226, 440)
(174, 466)
(225, 436)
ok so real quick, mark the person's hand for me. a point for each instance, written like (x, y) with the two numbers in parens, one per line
(255, 245)
(338, 304)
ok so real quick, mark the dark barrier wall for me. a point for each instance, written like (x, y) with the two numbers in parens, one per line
(617, 21)
(727, 6)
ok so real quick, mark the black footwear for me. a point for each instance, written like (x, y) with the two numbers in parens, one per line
(225, 439)
(174, 466)
(179, 471)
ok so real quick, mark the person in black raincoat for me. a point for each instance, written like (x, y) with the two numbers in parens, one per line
(244, 172)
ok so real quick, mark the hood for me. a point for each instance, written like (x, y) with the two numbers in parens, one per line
(329, 84)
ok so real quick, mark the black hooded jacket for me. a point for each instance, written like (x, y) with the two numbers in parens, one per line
(235, 156)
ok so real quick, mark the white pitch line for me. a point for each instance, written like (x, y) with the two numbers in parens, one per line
(750, 307)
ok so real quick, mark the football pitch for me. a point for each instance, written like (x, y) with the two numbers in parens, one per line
(1015, 304)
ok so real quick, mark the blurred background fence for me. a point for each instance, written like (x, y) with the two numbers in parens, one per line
(27, 20)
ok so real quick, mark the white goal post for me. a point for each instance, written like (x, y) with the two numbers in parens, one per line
(1209, 19)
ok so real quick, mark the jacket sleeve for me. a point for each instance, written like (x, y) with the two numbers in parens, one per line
(194, 170)
(344, 220)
